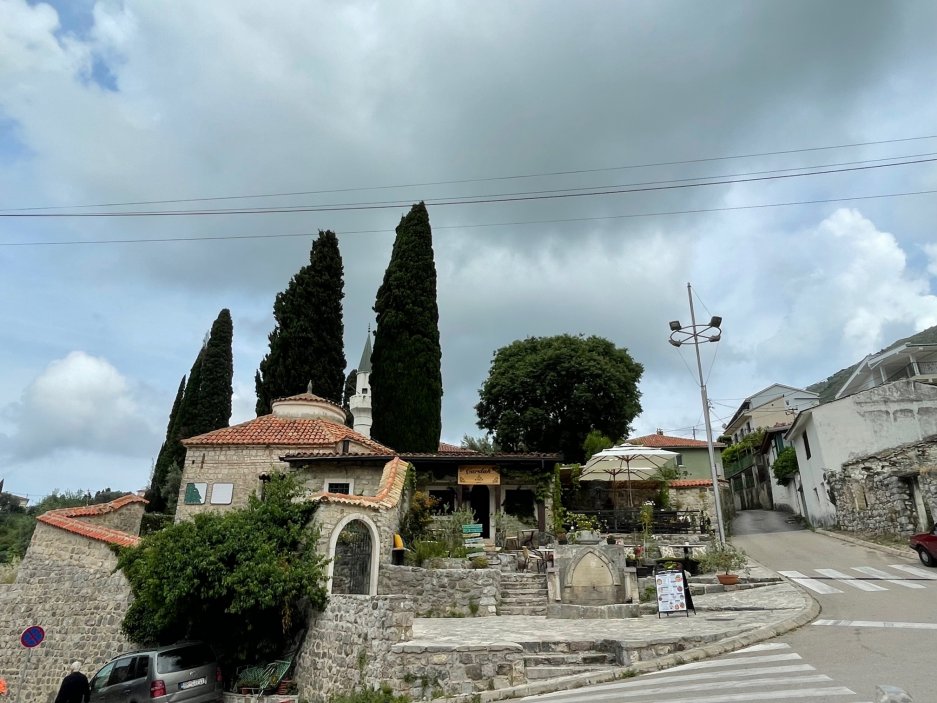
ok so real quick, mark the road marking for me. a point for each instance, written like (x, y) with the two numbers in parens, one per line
(761, 648)
(848, 580)
(814, 694)
(878, 623)
(715, 663)
(915, 571)
(885, 576)
(814, 585)
(646, 679)
(667, 688)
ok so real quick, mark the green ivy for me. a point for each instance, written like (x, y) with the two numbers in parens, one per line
(785, 466)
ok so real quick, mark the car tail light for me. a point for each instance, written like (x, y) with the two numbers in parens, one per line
(218, 677)
(157, 688)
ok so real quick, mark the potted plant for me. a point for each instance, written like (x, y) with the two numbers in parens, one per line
(584, 527)
(250, 679)
(724, 558)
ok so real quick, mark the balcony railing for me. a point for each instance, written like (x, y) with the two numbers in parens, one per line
(624, 520)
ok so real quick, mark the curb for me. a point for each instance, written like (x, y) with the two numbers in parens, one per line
(894, 551)
(809, 611)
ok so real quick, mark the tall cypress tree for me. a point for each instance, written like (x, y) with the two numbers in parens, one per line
(214, 398)
(406, 378)
(164, 459)
(351, 385)
(202, 404)
(307, 343)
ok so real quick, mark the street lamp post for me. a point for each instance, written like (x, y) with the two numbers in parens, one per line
(698, 334)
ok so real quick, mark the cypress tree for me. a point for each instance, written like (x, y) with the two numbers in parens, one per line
(214, 399)
(406, 378)
(351, 383)
(307, 343)
(164, 459)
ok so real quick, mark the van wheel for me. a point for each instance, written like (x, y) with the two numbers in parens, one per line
(927, 559)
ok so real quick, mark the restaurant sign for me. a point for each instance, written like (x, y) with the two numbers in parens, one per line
(479, 476)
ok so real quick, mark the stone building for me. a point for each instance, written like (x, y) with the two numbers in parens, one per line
(828, 436)
(68, 584)
(890, 492)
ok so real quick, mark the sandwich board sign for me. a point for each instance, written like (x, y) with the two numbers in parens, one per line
(673, 592)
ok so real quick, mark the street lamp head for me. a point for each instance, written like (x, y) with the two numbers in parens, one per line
(716, 321)
(675, 325)
(716, 337)
(674, 342)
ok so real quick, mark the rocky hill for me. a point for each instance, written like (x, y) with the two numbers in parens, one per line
(828, 387)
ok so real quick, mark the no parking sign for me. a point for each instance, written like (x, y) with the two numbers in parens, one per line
(32, 636)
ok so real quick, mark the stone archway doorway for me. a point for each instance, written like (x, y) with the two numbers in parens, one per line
(352, 561)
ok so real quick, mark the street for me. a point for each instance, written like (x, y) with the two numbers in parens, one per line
(876, 626)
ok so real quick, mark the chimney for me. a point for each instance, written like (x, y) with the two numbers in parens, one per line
(346, 446)
(660, 431)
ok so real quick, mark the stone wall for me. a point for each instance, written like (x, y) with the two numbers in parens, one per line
(365, 478)
(241, 466)
(876, 494)
(348, 645)
(363, 642)
(441, 591)
(66, 584)
(126, 519)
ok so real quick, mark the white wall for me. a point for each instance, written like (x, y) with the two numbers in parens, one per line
(856, 426)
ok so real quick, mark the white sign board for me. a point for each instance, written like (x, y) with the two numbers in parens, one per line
(671, 597)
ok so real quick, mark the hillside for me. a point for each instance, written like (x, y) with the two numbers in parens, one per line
(828, 387)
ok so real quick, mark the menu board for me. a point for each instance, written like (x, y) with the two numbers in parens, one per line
(671, 592)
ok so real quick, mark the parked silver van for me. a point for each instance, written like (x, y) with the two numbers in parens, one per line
(181, 673)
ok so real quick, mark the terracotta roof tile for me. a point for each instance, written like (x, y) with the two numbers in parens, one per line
(446, 448)
(662, 441)
(68, 519)
(309, 398)
(694, 482)
(288, 432)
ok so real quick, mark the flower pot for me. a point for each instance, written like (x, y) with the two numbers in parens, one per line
(587, 537)
(728, 579)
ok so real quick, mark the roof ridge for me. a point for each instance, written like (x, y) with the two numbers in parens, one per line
(67, 519)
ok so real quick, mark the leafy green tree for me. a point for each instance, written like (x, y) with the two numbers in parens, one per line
(483, 444)
(785, 466)
(595, 442)
(406, 376)
(307, 344)
(243, 580)
(548, 393)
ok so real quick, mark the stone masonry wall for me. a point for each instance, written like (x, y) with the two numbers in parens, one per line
(127, 519)
(348, 644)
(874, 494)
(441, 591)
(67, 585)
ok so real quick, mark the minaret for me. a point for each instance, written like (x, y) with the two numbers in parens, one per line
(360, 403)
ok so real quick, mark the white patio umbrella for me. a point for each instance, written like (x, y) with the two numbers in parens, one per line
(636, 462)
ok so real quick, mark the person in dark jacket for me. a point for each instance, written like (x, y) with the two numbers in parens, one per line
(74, 688)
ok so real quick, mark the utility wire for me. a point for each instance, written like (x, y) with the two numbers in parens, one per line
(490, 178)
(697, 211)
(456, 201)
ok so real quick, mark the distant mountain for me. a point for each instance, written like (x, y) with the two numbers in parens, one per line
(828, 388)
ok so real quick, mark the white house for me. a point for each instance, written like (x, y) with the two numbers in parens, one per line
(914, 361)
(827, 436)
(774, 405)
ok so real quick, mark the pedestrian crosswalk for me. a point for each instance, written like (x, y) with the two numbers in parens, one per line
(862, 578)
(762, 673)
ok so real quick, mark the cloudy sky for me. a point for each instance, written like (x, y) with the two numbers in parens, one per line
(312, 104)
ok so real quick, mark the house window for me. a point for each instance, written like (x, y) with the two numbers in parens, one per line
(195, 493)
(345, 487)
(221, 493)
(806, 445)
(679, 459)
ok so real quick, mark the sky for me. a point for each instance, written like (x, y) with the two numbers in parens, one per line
(520, 125)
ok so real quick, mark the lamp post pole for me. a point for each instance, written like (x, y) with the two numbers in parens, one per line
(692, 335)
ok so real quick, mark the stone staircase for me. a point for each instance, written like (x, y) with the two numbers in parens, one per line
(523, 594)
(548, 660)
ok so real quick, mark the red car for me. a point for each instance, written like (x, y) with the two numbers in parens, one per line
(926, 546)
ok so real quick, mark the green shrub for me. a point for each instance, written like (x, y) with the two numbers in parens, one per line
(423, 551)
(723, 557)
(380, 695)
(785, 466)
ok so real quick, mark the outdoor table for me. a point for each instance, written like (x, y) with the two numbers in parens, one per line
(526, 538)
(686, 548)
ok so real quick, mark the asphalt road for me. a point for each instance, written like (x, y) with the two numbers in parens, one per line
(888, 634)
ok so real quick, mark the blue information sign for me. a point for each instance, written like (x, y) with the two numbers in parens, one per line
(32, 636)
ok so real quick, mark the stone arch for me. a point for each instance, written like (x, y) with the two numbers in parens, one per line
(375, 536)
(591, 553)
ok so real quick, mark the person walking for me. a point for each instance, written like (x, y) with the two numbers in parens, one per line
(74, 688)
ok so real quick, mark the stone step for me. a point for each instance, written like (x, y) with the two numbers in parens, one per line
(539, 673)
(522, 610)
(525, 591)
(591, 658)
(522, 602)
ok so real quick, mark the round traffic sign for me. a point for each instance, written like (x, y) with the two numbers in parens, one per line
(32, 636)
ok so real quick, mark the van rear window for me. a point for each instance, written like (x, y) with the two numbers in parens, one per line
(188, 656)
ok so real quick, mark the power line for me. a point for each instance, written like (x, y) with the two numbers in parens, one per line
(488, 178)
(696, 211)
(476, 200)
